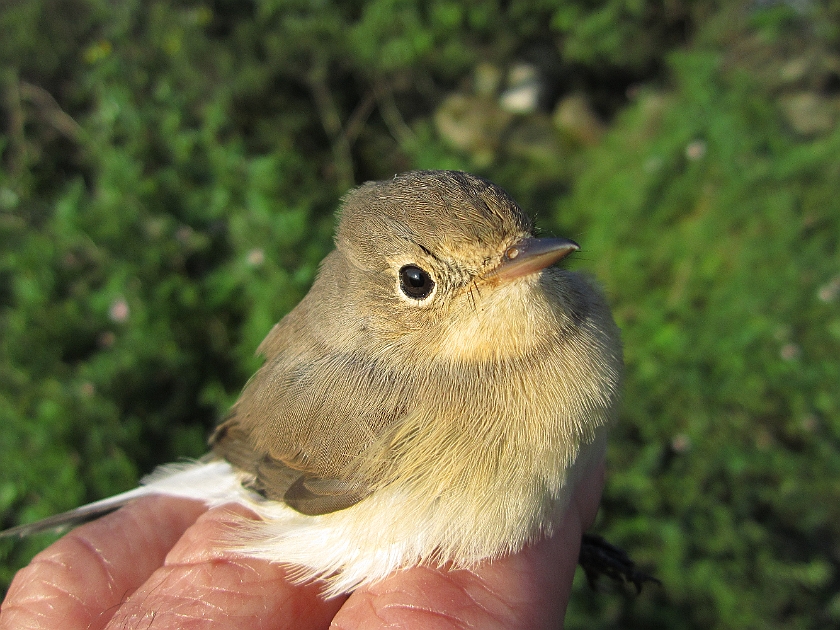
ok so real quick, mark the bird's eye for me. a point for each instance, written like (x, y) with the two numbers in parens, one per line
(415, 282)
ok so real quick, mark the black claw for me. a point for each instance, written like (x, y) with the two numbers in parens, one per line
(599, 557)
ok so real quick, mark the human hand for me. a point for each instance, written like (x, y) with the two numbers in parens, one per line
(152, 564)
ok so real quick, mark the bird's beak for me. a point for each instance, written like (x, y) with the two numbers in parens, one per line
(529, 255)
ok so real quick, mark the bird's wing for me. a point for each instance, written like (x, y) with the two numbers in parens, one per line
(306, 423)
(302, 488)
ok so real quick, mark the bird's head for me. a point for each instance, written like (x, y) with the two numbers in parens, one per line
(443, 264)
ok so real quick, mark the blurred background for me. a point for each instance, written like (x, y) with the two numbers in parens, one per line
(168, 177)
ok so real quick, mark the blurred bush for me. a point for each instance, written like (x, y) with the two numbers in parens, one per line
(169, 174)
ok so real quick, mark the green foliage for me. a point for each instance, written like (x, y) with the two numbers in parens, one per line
(716, 232)
(629, 33)
(169, 173)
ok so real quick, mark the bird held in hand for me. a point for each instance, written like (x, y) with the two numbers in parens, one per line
(432, 399)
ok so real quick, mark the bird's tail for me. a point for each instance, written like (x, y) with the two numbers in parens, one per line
(213, 481)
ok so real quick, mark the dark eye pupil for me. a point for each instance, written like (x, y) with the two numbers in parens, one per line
(415, 282)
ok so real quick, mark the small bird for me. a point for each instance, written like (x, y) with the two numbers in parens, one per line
(433, 399)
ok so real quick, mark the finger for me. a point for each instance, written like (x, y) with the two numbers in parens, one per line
(529, 589)
(201, 585)
(80, 580)
(587, 495)
(525, 590)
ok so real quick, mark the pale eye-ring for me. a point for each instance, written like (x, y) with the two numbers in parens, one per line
(415, 282)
